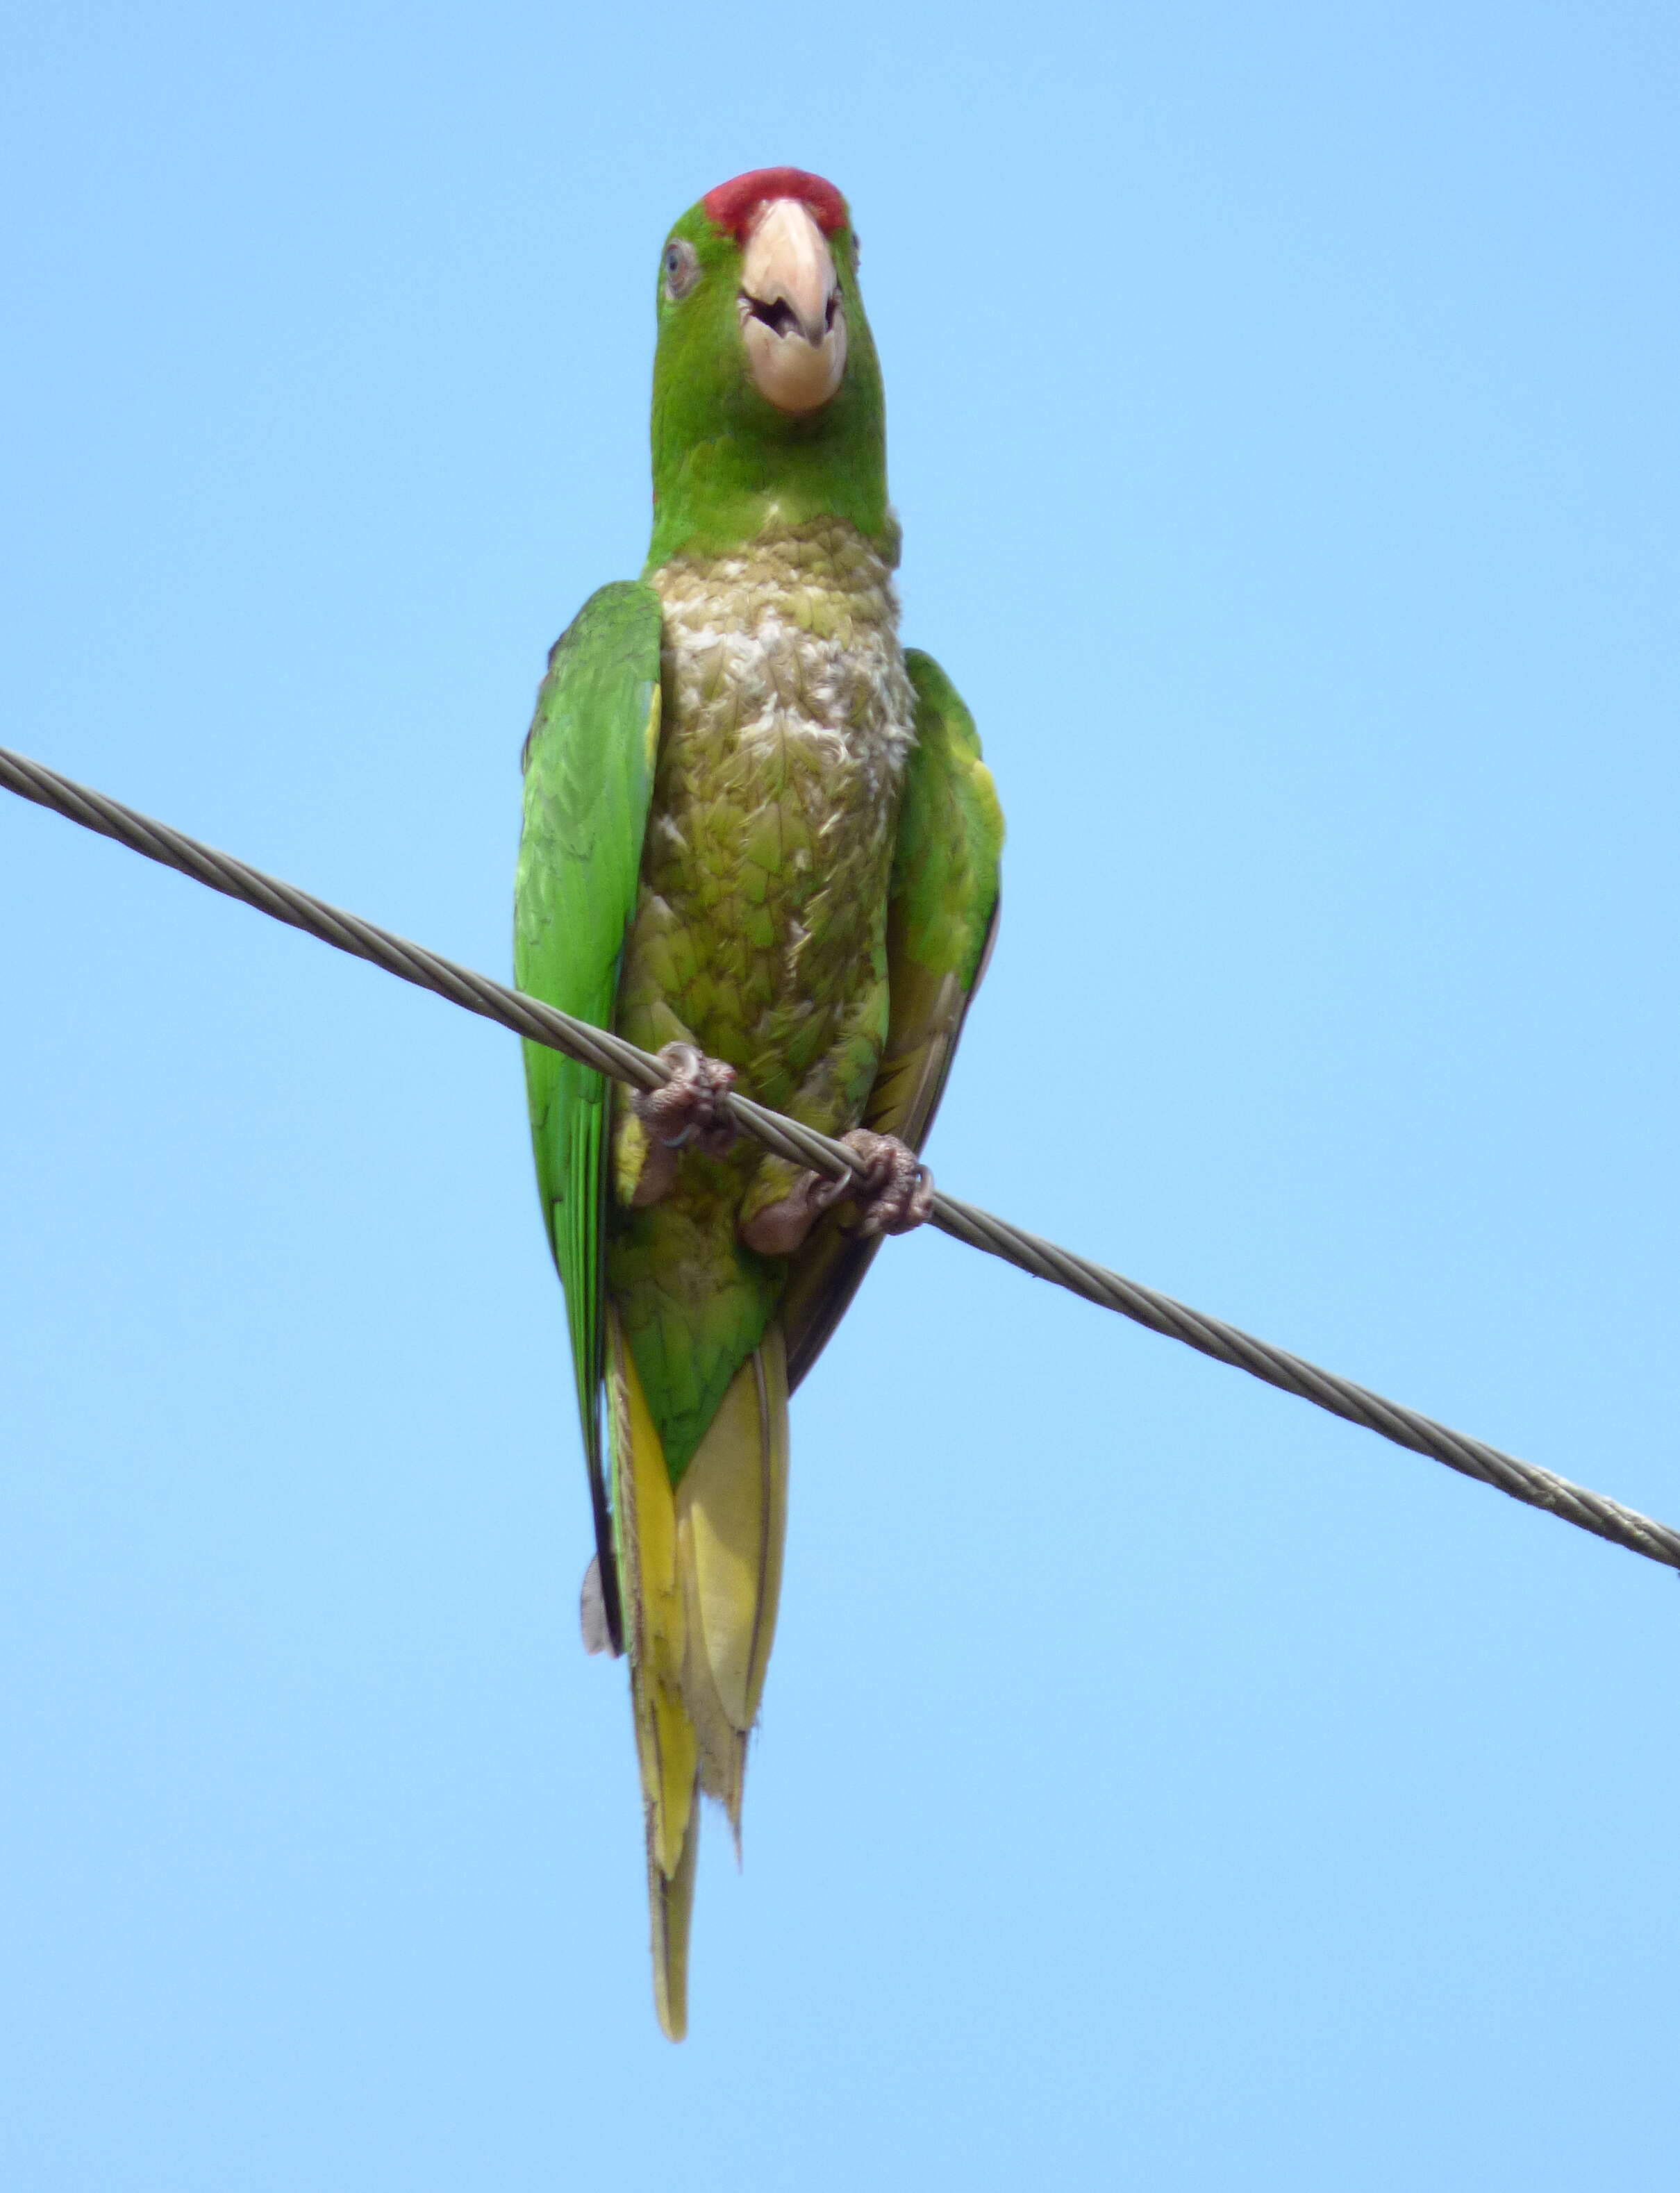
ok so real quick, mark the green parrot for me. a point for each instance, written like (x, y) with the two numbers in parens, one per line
(760, 840)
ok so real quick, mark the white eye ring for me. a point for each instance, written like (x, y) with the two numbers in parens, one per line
(681, 263)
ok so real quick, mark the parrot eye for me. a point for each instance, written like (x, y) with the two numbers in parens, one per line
(682, 268)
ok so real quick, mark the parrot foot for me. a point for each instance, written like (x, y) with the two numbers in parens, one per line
(895, 1194)
(687, 1112)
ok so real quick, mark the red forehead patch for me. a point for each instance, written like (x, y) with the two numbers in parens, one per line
(731, 206)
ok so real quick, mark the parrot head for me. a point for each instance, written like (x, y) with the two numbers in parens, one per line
(767, 408)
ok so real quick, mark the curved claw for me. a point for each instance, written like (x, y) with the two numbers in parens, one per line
(896, 1193)
(688, 1109)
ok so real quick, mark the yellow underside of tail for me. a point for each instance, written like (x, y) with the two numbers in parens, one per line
(700, 1574)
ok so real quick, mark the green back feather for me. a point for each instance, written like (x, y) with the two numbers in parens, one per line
(589, 778)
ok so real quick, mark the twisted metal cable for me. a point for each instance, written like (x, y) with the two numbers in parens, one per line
(964, 1221)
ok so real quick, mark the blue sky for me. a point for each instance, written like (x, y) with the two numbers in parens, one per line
(1160, 1784)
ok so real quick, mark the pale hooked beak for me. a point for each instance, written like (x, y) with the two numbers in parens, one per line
(793, 317)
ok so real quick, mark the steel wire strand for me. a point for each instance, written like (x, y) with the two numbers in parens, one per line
(964, 1221)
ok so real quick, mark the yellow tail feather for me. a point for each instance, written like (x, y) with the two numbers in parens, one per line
(670, 1904)
(700, 1575)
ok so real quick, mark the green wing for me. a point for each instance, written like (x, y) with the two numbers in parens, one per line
(941, 920)
(588, 769)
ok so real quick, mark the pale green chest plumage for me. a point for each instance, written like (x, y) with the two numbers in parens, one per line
(759, 932)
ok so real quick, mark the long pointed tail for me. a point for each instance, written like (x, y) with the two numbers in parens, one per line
(700, 1574)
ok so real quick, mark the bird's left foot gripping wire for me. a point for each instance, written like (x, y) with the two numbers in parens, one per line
(893, 1194)
(689, 1112)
